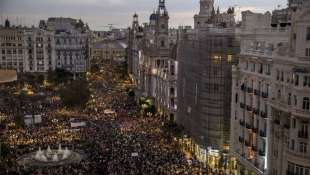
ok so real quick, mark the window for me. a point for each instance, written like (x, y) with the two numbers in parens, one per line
(229, 58)
(292, 144)
(307, 81)
(162, 43)
(307, 52)
(306, 103)
(296, 80)
(268, 72)
(303, 147)
(278, 75)
(289, 100)
(308, 34)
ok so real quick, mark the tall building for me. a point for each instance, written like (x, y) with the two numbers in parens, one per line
(40, 50)
(270, 96)
(290, 102)
(12, 55)
(251, 91)
(206, 55)
(58, 43)
(150, 62)
(71, 43)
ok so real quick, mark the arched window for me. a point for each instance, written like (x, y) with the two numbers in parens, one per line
(306, 103)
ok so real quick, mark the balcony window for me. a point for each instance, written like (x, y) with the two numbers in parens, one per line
(296, 80)
(306, 103)
(307, 81)
(303, 147)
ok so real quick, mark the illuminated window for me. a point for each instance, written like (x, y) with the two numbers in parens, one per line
(217, 59)
(229, 58)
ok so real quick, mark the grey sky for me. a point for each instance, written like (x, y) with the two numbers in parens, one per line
(119, 12)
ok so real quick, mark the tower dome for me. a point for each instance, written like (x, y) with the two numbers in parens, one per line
(153, 17)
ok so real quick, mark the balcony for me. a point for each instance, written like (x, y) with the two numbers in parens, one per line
(265, 95)
(262, 153)
(242, 105)
(248, 126)
(242, 123)
(256, 92)
(249, 108)
(263, 114)
(303, 135)
(255, 111)
(263, 134)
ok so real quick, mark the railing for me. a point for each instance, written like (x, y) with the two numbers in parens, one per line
(256, 92)
(303, 135)
(265, 95)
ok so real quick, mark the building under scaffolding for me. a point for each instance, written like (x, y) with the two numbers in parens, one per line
(205, 62)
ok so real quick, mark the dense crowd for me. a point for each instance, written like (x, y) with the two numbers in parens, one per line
(121, 142)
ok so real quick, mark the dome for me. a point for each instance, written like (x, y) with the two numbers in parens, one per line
(153, 17)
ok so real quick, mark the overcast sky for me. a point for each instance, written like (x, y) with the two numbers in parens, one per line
(99, 13)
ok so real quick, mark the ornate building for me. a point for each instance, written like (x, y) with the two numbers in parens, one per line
(150, 62)
(270, 99)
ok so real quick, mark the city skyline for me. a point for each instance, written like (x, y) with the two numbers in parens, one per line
(99, 13)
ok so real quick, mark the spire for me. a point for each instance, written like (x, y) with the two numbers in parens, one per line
(162, 4)
(162, 11)
(213, 12)
(218, 10)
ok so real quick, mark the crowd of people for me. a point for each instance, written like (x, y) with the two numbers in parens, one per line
(120, 142)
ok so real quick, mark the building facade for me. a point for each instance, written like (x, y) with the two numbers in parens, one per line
(58, 43)
(251, 91)
(206, 55)
(12, 55)
(151, 63)
(270, 98)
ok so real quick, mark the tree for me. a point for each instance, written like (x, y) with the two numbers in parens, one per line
(75, 94)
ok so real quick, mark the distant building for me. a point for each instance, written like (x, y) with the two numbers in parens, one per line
(108, 51)
(12, 54)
